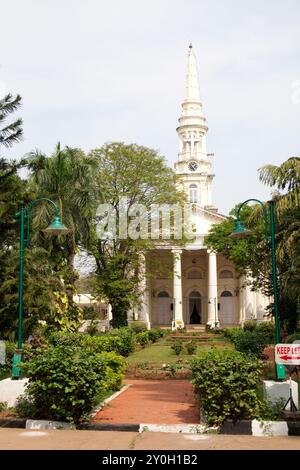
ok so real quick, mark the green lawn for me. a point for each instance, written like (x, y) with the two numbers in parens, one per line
(161, 352)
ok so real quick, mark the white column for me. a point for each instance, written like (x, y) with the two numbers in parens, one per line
(177, 290)
(143, 311)
(212, 316)
(242, 300)
(109, 314)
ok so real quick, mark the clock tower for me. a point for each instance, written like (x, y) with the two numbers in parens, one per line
(194, 165)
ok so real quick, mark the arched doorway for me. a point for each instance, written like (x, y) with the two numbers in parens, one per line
(226, 315)
(163, 308)
(194, 308)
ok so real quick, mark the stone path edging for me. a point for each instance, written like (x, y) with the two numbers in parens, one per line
(254, 427)
(109, 399)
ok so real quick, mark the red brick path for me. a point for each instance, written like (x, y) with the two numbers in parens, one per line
(153, 402)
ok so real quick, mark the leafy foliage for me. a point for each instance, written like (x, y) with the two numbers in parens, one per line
(142, 338)
(191, 347)
(139, 174)
(250, 342)
(226, 384)
(177, 347)
(293, 337)
(12, 132)
(155, 334)
(65, 382)
(120, 341)
(138, 326)
(252, 256)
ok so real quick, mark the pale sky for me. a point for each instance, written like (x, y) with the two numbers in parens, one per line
(92, 71)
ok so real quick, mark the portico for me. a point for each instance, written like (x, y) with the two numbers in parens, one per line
(192, 288)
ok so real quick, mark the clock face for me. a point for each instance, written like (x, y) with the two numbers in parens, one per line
(193, 166)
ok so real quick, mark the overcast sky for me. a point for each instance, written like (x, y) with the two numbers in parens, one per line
(93, 71)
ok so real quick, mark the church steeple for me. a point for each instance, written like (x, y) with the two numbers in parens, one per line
(194, 164)
(191, 81)
(192, 123)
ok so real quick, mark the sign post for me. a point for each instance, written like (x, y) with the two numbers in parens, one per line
(287, 354)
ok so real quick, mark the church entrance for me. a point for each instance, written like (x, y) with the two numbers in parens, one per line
(194, 308)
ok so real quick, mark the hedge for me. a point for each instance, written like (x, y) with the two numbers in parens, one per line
(226, 383)
(66, 382)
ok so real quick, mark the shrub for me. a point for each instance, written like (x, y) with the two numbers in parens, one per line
(3, 406)
(293, 337)
(26, 408)
(191, 347)
(226, 384)
(113, 371)
(125, 344)
(250, 325)
(65, 381)
(119, 340)
(155, 334)
(60, 338)
(232, 333)
(250, 342)
(271, 411)
(142, 338)
(177, 347)
(138, 326)
(267, 329)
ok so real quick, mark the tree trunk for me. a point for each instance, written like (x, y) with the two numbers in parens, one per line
(119, 313)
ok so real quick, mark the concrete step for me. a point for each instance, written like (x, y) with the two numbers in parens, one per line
(195, 327)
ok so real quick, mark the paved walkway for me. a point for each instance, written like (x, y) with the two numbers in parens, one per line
(153, 402)
(84, 440)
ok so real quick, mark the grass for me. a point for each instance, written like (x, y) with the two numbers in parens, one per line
(161, 353)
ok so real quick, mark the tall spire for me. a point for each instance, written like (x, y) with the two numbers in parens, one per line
(192, 123)
(194, 165)
(191, 81)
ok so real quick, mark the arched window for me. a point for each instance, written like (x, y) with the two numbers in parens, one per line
(226, 293)
(193, 193)
(163, 293)
(226, 274)
(194, 274)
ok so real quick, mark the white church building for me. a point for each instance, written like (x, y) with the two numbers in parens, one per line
(205, 288)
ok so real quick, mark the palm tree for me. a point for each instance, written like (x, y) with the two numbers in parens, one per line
(68, 178)
(285, 177)
(12, 132)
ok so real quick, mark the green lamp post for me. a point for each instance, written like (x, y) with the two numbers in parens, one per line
(56, 228)
(241, 231)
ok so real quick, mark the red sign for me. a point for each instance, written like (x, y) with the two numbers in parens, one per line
(287, 354)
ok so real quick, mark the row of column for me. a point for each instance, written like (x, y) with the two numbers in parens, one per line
(212, 318)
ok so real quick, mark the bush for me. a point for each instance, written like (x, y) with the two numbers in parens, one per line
(125, 343)
(113, 372)
(66, 381)
(191, 347)
(250, 325)
(119, 340)
(26, 408)
(293, 337)
(271, 411)
(267, 329)
(232, 333)
(155, 334)
(226, 384)
(138, 326)
(142, 338)
(177, 347)
(250, 342)
(28, 352)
